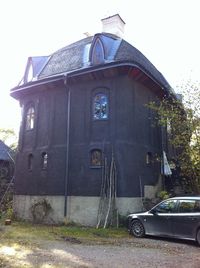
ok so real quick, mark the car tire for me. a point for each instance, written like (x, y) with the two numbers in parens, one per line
(137, 229)
(198, 237)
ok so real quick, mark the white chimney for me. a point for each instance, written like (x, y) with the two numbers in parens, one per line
(113, 24)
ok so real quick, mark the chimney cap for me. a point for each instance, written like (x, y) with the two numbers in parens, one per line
(116, 15)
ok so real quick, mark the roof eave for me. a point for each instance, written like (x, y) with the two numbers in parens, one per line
(85, 70)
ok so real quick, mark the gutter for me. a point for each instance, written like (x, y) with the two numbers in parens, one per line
(35, 83)
(90, 69)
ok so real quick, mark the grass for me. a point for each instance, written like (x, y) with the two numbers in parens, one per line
(28, 245)
(27, 233)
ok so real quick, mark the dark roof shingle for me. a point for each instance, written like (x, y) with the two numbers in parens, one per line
(75, 57)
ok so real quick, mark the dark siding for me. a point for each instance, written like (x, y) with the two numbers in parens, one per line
(59, 116)
(127, 132)
(43, 120)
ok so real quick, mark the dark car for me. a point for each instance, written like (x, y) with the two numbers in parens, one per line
(177, 217)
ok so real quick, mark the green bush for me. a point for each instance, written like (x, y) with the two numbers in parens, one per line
(163, 195)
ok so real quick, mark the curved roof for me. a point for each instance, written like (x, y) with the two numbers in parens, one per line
(78, 56)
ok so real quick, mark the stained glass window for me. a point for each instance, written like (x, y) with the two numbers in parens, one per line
(96, 158)
(30, 118)
(100, 107)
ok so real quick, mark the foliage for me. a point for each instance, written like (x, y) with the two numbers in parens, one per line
(6, 171)
(162, 195)
(182, 120)
(9, 137)
(9, 213)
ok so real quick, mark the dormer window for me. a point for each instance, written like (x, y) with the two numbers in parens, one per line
(30, 73)
(97, 52)
(28, 76)
(30, 118)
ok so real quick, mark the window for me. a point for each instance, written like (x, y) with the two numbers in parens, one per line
(166, 207)
(197, 206)
(97, 52)
(96, 158)
(44, 160)
(30, 118)
(149, 158)
(100, 107)
(30, 162)
(30, 73)
(187, 206)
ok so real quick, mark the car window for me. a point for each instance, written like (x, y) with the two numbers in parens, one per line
(166, 206)
(187, 206)
(197, 206)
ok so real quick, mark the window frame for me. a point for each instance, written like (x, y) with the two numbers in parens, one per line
(173, 210)
(94, 101)
(30, 117)
(44, 160)
(30, 162)
(92, 152)
(96, 56)
(149, 158)
(191, 209)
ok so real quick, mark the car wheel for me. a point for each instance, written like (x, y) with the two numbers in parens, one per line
(198, 237)
(137, 229)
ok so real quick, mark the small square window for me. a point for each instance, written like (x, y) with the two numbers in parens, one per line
(96, 158)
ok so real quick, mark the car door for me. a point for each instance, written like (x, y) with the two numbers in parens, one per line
(187, 219)
(158, 221)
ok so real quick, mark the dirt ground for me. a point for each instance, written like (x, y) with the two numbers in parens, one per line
(131, 252)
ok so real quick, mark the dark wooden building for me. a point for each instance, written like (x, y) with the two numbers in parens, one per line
(81, 105)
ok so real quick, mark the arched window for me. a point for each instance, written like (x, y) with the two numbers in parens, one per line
(44, 160)
(96, 158)
(100, 107)
(97, 52)
(30, 118)
(149, 158)
(30, 162)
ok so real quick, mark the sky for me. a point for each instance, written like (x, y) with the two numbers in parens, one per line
(165, 31)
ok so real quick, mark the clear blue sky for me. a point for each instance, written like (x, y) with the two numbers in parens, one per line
(165, 31)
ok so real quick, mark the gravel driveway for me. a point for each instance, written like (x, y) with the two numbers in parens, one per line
(126, 253)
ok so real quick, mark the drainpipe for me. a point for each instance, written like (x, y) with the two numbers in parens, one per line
(162, 159)
(67, 145)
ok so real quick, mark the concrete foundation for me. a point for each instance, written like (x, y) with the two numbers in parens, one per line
(80, 209)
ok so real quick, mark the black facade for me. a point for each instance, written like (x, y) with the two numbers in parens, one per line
(77, 113)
